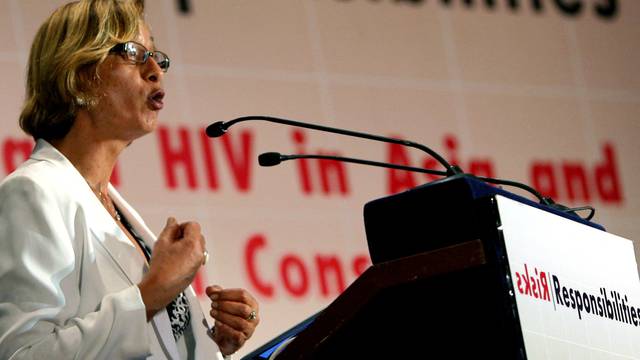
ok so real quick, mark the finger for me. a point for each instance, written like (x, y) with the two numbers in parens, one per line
(191, 229)
(234, 322)
(192, 233)
(213, 290)
(171, 230)
(234, 308)
(238, 295)
(203, 242)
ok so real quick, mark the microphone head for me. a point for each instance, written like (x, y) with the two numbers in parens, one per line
(216, 129)
(269, 159)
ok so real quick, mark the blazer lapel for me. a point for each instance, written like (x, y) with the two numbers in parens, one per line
(100, 223)
(197, 312)
(161, 322)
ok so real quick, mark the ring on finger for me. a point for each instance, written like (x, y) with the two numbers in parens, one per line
(205, 257)
(252, 315)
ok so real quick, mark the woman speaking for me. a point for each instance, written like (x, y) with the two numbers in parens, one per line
(81, 275)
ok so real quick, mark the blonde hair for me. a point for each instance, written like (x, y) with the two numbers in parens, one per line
(63, 62)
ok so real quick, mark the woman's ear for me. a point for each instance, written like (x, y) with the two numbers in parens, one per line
(88, 82)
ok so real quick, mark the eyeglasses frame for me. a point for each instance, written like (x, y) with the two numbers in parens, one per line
(121, 49)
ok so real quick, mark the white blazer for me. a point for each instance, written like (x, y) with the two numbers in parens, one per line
(68, 273)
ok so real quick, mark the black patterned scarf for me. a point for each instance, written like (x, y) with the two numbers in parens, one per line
(178, 309)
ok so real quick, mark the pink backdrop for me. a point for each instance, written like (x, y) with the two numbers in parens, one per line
(534, 95)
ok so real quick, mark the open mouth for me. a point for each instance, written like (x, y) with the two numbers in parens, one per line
(155, 100)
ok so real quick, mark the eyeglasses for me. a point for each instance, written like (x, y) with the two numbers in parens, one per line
(133, 51)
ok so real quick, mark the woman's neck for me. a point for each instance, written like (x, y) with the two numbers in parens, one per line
(92, 155)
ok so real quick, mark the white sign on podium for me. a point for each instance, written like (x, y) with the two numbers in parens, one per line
(577, 288)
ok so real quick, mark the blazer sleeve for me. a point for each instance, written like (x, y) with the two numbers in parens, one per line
(39, 286)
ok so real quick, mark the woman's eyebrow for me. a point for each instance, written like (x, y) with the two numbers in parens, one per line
(153, 43)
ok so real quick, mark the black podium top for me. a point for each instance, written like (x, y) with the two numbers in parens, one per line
(436, 214)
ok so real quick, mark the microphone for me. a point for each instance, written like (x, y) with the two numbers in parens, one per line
(273, 158)
(270, 159)
(216, 129)
(219, 128)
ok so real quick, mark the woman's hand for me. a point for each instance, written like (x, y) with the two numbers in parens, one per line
(236, 314)
(177, 255)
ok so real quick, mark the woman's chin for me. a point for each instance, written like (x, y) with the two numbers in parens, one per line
(151, 123)
(145, 127)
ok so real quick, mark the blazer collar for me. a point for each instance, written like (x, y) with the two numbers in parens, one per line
(99, 221)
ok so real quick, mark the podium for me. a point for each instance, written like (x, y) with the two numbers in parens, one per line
(462, 269)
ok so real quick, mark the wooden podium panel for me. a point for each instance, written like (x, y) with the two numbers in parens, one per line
(432, 304)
